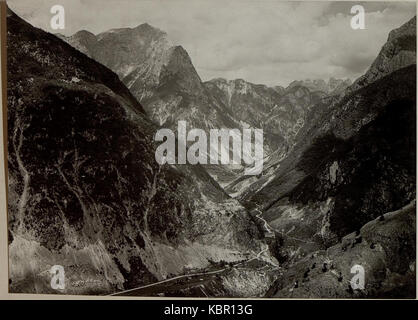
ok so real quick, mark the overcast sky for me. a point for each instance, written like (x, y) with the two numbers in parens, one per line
(270, 42)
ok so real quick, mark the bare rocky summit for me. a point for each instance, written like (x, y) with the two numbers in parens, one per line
(398, 52)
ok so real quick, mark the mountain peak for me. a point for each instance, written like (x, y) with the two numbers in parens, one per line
(398, 52)
(84, 33)
(408, 28)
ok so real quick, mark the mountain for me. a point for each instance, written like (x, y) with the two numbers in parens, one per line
(332, 87)
(85, 191)
(162, 77)
(280, 112)
(354, 159)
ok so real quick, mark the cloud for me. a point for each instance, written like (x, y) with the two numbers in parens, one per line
(271, 42)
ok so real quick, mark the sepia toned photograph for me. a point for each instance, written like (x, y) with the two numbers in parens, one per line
(211, 149)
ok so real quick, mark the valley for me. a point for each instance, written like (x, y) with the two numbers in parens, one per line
(336, 187)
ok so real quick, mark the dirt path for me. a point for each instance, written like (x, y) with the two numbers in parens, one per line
(270, 229)
(121, 293)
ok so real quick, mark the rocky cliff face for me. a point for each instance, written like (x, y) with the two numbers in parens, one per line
(162, 77)
(279, 112)
(332, 87)
(398, 52)
(85, 191)
(354, 159)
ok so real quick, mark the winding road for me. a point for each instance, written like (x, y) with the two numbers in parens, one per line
(266, 226)
(270, 229)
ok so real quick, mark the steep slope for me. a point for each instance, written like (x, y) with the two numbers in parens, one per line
(398, 52)
(162, 77)
(354, 158)
(139, 51)
(279, 112)
(332, 87)
(384, 248)
(85, 191)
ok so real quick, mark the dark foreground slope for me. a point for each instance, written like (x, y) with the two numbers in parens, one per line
(385, 248)
(85, 191)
